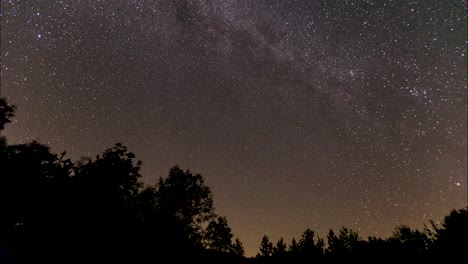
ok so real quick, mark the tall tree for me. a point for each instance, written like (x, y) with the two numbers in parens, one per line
(266, 247)
(184, 205)
(106, 196)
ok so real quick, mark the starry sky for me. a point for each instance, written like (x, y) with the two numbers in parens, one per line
(297, 113)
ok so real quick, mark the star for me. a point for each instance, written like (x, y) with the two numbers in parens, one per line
(304, 112)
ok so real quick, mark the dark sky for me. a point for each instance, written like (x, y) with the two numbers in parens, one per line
(298, 113)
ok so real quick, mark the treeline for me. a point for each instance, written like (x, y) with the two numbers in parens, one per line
(98, 210)
(449, 240)
(53, 210)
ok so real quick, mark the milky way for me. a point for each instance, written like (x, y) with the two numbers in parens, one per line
(298, 113)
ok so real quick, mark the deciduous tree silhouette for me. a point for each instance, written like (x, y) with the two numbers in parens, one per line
(53, 210)
(218, 236)
(105, 198)
(452, 237)
(35, 190)
(185, 203)
(408, 242)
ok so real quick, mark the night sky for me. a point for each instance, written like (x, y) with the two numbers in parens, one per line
(297, 113)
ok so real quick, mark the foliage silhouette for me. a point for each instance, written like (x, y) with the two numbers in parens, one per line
(451, 239)
(280, 249)
(294, 247)
(343, 245)
(186, 201)
(309, 247)
(408, 242)
(7, 112)
(266, 247)
(238, 249)
(218, 235)
(53, 210)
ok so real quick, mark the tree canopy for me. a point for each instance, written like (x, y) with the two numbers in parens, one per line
(54, 210)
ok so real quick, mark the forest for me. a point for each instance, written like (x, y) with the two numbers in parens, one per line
(97, 210)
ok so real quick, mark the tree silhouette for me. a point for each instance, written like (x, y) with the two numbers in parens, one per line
(294, 247)
(343, 245)
(34, 184)
(106, 199)
(308, 247)
(218, 236)
(266, 247)
(408, 242)
(53, 210)
(335, 246)
(452, 237)
(376, 248)
(238, 248)
(184, 204)
(280, 249)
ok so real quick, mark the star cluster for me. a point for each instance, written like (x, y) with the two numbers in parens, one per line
(298, 113)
